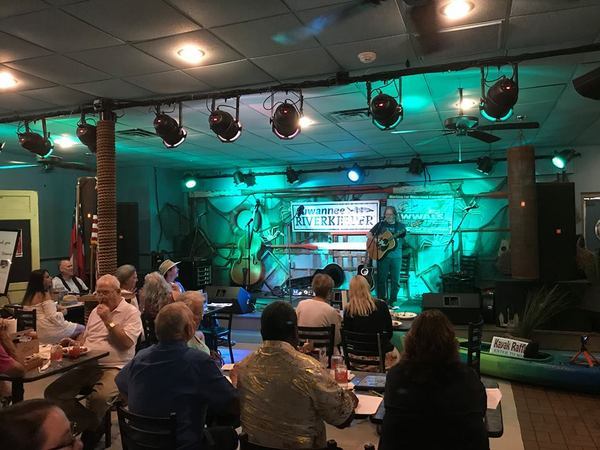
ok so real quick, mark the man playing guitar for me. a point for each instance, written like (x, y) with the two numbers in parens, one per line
(391, 261)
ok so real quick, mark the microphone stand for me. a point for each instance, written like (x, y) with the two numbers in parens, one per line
(466, 211)
(288, 228)
(246, 270)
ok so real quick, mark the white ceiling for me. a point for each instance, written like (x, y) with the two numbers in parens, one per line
(65, 53)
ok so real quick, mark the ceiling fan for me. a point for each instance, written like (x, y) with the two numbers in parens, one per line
(319, 23)
(50, 162)
(463, 125)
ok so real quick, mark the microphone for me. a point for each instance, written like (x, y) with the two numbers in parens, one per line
(470, 207)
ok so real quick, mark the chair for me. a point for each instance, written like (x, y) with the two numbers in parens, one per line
(141, 432)
(149, 333)
(246, 445)
(216, 334)
(474, 345)
(364, 349)
(25, 318)
(321, 337)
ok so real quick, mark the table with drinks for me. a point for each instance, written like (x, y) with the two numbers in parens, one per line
(60, 361)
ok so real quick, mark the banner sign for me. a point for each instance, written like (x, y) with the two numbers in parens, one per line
(335, 216)
(508, 347)
(425, 214)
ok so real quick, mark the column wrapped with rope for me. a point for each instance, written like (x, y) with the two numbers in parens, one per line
(107, 198)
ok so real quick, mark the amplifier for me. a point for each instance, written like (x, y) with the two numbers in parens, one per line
(237, 296)
(460, 308)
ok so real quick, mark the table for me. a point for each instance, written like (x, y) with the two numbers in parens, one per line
(34, 374)
(493, 417)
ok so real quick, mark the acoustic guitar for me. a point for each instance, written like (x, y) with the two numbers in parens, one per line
(248, 269)
(378, 246)
(366, 271)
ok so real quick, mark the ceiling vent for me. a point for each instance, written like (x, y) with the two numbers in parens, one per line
(134, 133)
(350, 115)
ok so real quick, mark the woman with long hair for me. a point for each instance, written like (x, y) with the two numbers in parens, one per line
(50, 322)
(432, 400)
(366, 314)
(155, 294)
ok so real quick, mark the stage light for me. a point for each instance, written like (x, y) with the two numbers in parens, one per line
(87, 134)
(562, 158)
(386, 112)
(457, 9)
(248, 178)
(191, 54)
(190, 181)
(64, 141)
(291, 175)
(286, 121)
(485, 164)
(355, 174)
(416, 166)
(224, 126)
(39, 144)
(497, 104)
(7, 80)
(167, 128)
(305, 122)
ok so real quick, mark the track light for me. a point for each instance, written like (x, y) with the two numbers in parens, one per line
(223, 124)
(286, 121)
(39, 144)
(190, 181)
(87, 134)
(291, 175)
(355, 174)
(386, 112)
(497, 104)
(416, 166)
(562, 158)
(249, 178)
(169, 130)
(485, 164)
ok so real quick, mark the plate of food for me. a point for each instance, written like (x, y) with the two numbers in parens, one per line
(404, 315)
(74, 352)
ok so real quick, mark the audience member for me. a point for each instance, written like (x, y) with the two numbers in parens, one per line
(51, 325)
(8, 361)
(67, 282)
(287, 396)
(156, 293)
(36, 425)
(170, 271)
(317, 311)
(127, 276)
(172, 377)
(365, 314)
(195, 301)
(432, 400)
(113, 326)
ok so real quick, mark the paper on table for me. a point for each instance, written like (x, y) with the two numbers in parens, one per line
(367, 404)
(493, 397)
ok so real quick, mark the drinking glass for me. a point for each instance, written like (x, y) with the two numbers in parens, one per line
(56, 354)
(336, 360)
(341, 374)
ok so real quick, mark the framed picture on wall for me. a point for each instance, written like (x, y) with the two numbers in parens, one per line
(8, 248)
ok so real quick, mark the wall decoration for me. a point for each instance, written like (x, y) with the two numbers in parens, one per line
(324, 217)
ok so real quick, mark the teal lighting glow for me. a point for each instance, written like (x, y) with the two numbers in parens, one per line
(562, 158)
(190, 182)
(18, 166)
(559, 162)
(414, 103)
(355, 174)
(493, 119)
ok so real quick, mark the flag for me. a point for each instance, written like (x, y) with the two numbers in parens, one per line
(76, 251)
(94, 235)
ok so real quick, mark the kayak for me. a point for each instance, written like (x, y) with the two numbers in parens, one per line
(550, 368)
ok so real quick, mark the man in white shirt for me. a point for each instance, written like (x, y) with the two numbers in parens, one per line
(66, 281)
(317, 312)
(113, 326)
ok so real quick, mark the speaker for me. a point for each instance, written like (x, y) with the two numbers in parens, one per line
(195, 273)
(588, 85)
(488, 306)
(459, 308)
(127, 234)
(556, 231)
(237, 296)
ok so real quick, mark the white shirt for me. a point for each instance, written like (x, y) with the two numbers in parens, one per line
(317, 313)
(58, 285)
(97, 334)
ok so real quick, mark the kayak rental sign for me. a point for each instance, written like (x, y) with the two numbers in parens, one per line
(508, 347)
(334, 216)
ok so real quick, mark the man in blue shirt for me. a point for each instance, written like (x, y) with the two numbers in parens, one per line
(391, 263)
(171, 377)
